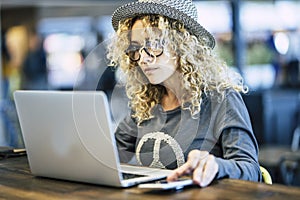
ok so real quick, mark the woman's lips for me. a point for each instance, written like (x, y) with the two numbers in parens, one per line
(150, 70)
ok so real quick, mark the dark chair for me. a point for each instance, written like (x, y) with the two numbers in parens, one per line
(281, 134)
(290, 162)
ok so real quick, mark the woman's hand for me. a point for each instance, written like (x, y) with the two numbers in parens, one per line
(201, 164)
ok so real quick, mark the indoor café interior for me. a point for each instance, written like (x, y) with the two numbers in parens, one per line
(61, 46)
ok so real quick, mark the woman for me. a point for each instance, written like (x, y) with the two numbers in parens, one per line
(187, 113)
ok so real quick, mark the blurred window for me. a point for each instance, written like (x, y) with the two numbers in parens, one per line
(66, 41)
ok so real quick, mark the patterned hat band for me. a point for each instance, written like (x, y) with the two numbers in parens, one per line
(182, 10)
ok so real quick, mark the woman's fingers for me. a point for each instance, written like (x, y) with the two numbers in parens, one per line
(193, 159)
(198, 171)
(186, 168)
(175, 174)
(202, 164)
(208, 170)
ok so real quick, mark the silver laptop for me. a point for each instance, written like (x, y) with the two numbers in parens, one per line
(69, 135)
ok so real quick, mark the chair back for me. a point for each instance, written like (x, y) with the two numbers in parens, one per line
(266, 176)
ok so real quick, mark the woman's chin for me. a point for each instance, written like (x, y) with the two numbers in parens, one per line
(154, 81)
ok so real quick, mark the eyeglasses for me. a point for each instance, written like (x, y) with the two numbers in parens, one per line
(152, 48)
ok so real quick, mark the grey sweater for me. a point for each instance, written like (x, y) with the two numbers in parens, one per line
(222, 128)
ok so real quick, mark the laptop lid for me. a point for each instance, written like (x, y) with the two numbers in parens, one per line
(68, 135)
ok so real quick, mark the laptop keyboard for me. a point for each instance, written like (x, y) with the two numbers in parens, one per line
(129, 176)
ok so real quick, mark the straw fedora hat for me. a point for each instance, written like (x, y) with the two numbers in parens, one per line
(184, 11)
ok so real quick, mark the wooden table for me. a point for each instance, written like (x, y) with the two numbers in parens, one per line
(16, 182)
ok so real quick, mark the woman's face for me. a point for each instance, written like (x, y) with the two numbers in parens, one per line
(157, 69)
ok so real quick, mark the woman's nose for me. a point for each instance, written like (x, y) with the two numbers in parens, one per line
(145, 57)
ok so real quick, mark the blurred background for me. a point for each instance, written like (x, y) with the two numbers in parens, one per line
(44, 43)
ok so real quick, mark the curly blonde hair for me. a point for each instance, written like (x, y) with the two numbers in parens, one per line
(202, 71)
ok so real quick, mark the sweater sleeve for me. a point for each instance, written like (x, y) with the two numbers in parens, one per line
(125, 135)
(239, 159)
(239, 156)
